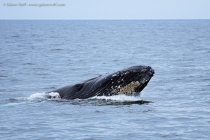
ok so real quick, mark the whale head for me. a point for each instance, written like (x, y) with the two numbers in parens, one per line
(132, 80)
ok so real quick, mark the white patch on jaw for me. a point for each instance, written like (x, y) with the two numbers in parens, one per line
(144, 80)
(129, 88)
(116, 74)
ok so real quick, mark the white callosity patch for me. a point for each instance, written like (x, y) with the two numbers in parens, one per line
(129, 88)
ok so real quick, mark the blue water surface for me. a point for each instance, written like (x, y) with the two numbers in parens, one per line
(39, 56)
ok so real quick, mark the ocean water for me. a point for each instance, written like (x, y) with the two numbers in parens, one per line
(39, 56)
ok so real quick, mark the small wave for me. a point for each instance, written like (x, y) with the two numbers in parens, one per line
(33, 98)
(15, 36)
(11, 102)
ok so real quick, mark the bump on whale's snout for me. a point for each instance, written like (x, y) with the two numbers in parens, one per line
(150, 71)
(142, 73)
(148, 74)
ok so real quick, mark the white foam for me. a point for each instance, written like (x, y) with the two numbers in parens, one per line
(118, 98)
(37, 96)
(43, 96)
(54, 94)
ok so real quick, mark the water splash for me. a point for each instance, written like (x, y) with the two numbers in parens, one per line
(97, 100)
(33, 98)
(117, 100)
(120, 98)
(37, 97)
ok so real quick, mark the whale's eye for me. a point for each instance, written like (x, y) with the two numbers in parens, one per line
(79, 86)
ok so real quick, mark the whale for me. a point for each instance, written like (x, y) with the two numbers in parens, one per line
(128, 81)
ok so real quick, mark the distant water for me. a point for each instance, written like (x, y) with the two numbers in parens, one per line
(39, 56)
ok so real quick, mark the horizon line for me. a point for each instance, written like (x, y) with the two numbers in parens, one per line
(113, 19)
